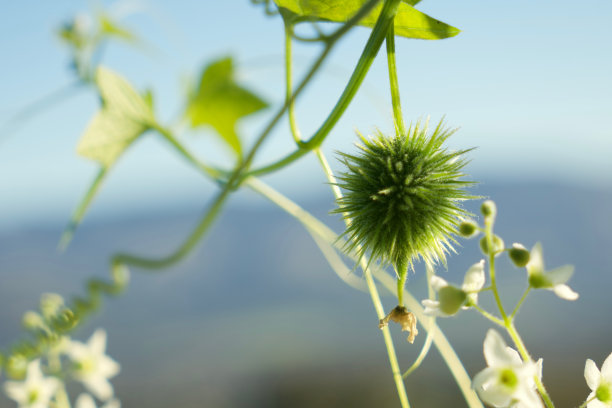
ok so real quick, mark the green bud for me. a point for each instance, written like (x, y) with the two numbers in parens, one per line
(488, 209)
(539, 281)
(498, 245)
(50, 305)
(65, 320)
(451, 299)
(468, 229)
(519, 255)
(33, 321)
(16, 366)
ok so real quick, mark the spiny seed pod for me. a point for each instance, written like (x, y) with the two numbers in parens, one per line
(403, 196)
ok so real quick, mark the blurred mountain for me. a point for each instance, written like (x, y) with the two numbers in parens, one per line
(255, 317)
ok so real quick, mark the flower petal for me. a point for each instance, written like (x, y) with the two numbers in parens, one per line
(535, 264)
(16, 391)
(85, 401)
(591, 374)
(565, 292)
(597, 404)
(606, 368)
(99, 387)
(437, 283)
(97, 341)
(474, 277)
(528, 396)
(485, 384)
(560, 275)
(496, 352)
(432, 307)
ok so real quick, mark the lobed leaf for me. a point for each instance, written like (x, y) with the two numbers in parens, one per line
(125, 115)
(220, 102)
(409, 22)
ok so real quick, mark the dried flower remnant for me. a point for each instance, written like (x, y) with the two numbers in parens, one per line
(404, 318)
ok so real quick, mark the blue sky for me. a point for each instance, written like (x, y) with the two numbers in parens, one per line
(528, 83)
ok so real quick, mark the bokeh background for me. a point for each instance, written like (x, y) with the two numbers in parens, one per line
(255, 317)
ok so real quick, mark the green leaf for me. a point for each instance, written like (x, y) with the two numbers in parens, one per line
(220, 102)
(112, 29)
(409, 22)
(124, 116)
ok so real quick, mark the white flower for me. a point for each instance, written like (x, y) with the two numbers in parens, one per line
(507, 381)
(86, 401)
(450, 298)
(35, 391)
(92, 366)
(553, 280)
(600, 383)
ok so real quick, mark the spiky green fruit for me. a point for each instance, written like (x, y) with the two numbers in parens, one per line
(403, 195)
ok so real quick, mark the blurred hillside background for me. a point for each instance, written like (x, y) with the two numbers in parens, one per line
(255, 317)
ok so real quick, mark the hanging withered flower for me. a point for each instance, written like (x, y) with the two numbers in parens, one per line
(402, 198)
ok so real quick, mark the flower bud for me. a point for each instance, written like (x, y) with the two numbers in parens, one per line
(488, 209)
(468, 229)
(519, 255)
(50, 305)
(498, 245)
(451, 299)
(33, 321)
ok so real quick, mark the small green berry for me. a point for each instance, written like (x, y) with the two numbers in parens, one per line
(468, 229)
(488, 209)
(451, 299)
(403, 195)
(498, 245)
(519, 255)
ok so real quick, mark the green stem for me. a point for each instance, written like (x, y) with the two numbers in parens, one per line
(79, 212)
(489, 315)
(520, 345)
(492, 253)
(238, 175)
(314, 225)
(397, 375)
(363, 65)
(402, 273)
(289, 100)
(210, 171)
(429, 339)
(209, 217)
(380, 312)
(520, 302)
(585, 403)
(393, 82)
(40, 105)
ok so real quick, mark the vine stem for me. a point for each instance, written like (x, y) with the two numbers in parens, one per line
(520, 302)
(317, 227)
(370, 51)
(289, 100)
(393, 82)
(520, 345)
(432, 319)
(240, 172)
(380, 311)
(507, 321)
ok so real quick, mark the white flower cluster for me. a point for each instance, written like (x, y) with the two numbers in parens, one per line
(89, 365)
(508, 381)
